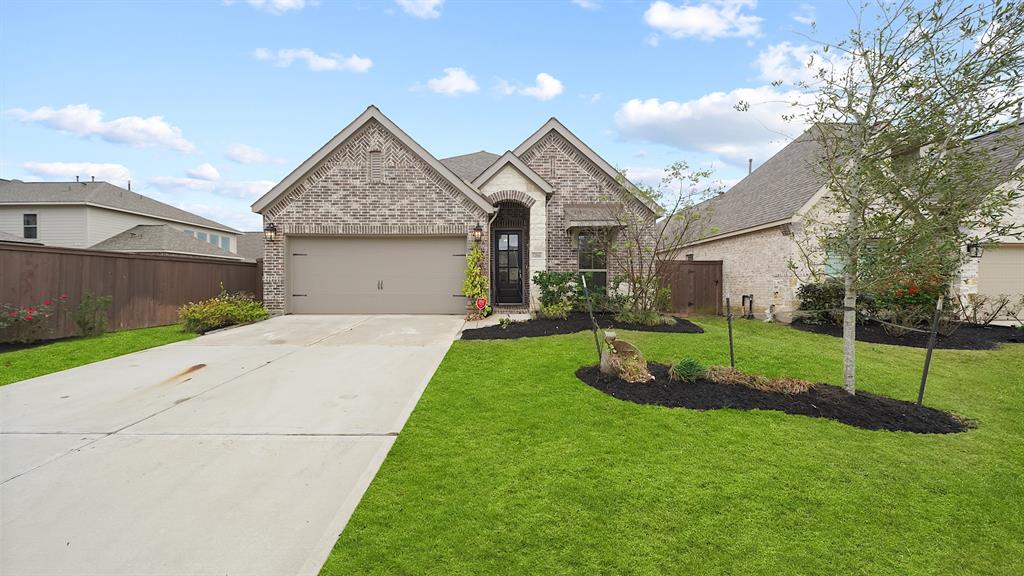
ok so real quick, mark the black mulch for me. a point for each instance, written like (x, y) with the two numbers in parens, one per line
(12, 346)
(966, 337)
(576, 322)
(862, 410)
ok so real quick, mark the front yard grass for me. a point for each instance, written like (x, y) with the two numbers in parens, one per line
(28, 363)
(510, 465)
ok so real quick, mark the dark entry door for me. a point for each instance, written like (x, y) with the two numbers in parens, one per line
(509, 267)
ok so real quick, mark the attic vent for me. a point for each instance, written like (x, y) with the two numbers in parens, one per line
(376, 166)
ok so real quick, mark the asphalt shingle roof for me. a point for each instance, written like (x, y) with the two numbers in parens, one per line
(5, 237)
(469, 166)
(100, 194)
(250, 245)
(161, 238)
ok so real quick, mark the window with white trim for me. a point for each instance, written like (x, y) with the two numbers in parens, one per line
(225, 243)
(201, 236)
(592, 260)
(30, 226)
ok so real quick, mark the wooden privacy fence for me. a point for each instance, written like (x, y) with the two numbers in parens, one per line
(696, 285)
(146, 290)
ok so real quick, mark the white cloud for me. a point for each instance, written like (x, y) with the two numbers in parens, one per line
(588, 4)
(422, 8)
(652, 40)
(711, 124)
(315, 62)
(795, 63)
(707, 21)
(591, 98)
(204, 171)
(114, 173)
(546, 88)
(244, 154)
(454, 81)
(135, 131)
(805, 14)
(274, 6)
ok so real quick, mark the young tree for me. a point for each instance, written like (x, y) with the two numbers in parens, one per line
(895, 106)
(639, 243)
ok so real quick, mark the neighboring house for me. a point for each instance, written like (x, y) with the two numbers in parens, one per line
(250, 246)
(6, 238)
(84, 214)
(754, 227)
(372, 222)
(162, 239)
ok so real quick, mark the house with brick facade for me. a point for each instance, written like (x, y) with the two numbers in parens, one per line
(755, 228)
(373, 223)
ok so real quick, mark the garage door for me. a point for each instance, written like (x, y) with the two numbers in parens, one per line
(377, 275)
(1001, 271)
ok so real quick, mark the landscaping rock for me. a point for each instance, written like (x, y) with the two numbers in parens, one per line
(624, 360)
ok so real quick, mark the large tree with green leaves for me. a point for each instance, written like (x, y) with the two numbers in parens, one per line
(894, 108)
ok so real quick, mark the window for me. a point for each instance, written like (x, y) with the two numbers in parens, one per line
(214, 239)
(201, 236)
(592, 261)
(376, 166)
(225, 243)
(190, 233)
(30, 224)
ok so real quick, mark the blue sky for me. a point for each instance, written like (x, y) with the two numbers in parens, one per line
(207, 104)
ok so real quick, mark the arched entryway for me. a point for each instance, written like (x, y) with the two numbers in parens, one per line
(510, 276)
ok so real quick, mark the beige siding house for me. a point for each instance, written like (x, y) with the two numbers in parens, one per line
(754, 229)
(86, 214)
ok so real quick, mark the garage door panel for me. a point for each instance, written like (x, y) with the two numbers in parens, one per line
(1001, 272)
(377, 275)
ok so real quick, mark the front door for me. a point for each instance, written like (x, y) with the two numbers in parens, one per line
(508, 267)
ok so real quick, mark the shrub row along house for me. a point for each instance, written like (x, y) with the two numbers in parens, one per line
(102, 216)
(372, 222)
(755, 229)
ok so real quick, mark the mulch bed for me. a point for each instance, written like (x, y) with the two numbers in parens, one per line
(862, 410)
(966, 337)
(576, 322)
(12, 346)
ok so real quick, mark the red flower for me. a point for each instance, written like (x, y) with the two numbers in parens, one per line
(63, 296)
(29, 317)
(899, 293)
(47, 302)
(913, 290)
(31, 310)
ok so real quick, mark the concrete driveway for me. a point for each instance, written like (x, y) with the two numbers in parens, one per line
(241, 452)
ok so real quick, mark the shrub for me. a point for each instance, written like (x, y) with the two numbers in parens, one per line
(687, 370)
(908, 303)
(557, 288)
(224, 310)
(821, 302)
(28, 323)
(559, 310)
(91, 315)
(785, 385)
(644, 317)
(475, 285)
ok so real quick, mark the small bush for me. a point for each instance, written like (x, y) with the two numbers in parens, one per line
(224, 310)
(558, 310)
(687, 370)
(821, 302)
(645, 318)
(91, 315)
(557, 287)
(28, 323)
(785, 385)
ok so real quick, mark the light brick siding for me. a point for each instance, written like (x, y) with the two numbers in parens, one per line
(754, 263)
(510, 187)
(339, 197)
(575, 180)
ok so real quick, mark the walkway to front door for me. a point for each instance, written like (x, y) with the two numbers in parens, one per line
(508, 267)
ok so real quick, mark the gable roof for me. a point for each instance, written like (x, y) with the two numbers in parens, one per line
(371, 113)
(510, 158)
(601, 163)
(102, 194)
(250, 245)
(161, 238)
(1005, 147)
(469, 166)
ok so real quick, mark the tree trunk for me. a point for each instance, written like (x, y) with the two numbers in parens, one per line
(849, 335)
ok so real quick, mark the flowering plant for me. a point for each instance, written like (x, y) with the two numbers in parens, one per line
(908, 302)
(28, 323)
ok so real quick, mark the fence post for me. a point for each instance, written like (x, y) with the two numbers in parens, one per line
(931, 346)
(728, 320)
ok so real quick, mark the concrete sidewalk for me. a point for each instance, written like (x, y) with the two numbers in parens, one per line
(241, 452)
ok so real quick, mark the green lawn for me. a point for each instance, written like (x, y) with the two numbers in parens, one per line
(31, 362)
(510, 465)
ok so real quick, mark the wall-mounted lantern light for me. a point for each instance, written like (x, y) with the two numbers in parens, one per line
(975, 250)
(478, 233)
(270, 231)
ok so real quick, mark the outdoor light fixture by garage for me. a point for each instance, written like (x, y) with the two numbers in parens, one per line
(974, 250)
(270, 231)
(478, 233)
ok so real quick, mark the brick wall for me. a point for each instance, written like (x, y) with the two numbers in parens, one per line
(339, 197)
(754, 263)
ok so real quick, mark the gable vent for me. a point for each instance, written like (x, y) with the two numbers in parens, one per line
(376, 166)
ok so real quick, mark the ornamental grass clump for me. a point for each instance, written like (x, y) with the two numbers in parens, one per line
(687, 370)
(784, 385)
(224, 310)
